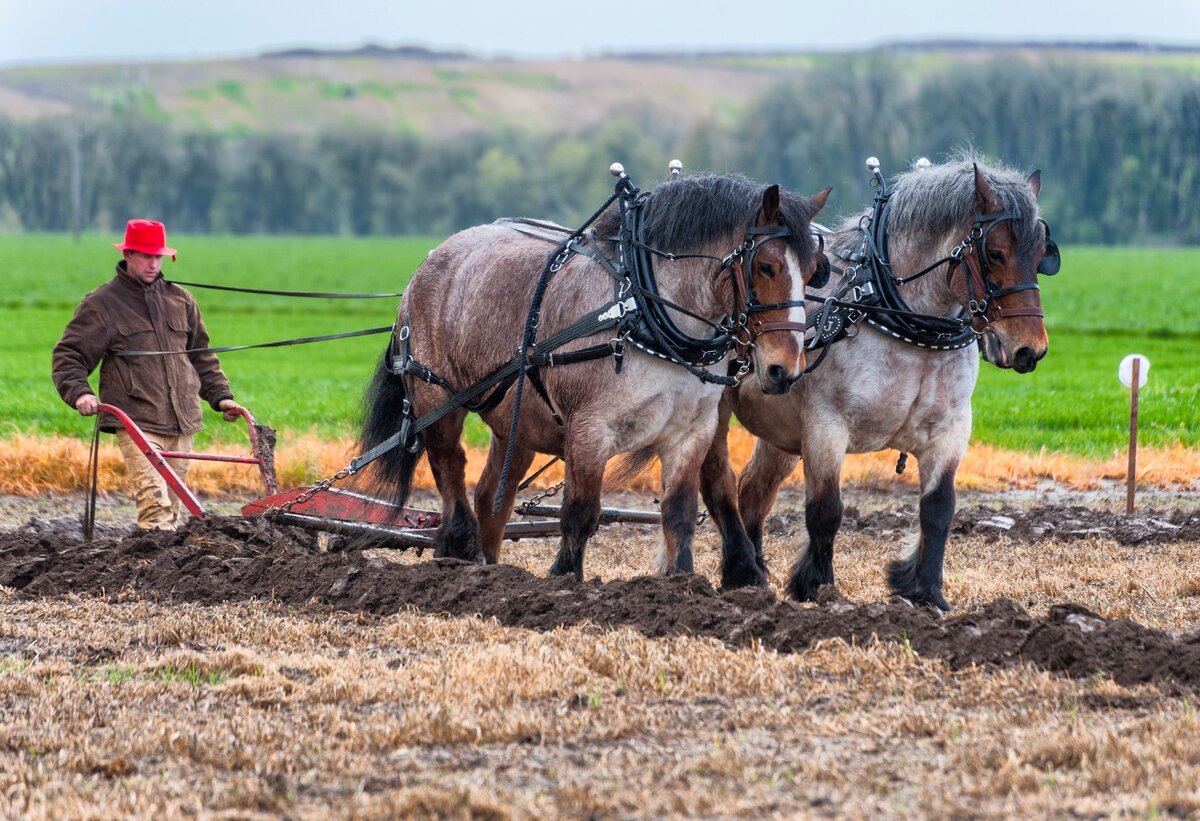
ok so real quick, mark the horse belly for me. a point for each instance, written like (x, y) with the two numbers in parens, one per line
(637, 426)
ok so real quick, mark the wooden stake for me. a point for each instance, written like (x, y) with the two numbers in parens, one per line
(1130, 480)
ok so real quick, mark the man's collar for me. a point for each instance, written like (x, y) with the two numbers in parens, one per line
(133, 282)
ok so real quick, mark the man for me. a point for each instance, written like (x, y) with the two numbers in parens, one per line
(138, 310)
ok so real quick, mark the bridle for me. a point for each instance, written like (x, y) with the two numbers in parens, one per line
(982, 292)
(747, 328)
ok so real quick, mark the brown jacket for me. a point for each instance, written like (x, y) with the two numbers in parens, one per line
(158, 392)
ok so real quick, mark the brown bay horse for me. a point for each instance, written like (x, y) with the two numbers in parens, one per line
(901, 374)
(728, 262)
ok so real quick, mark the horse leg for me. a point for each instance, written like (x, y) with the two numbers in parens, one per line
(581, 508)
(740, 566)
(682, 462)
(917, 576)
(757, 488)
(823, 460)
(458, 535)
(491, 526)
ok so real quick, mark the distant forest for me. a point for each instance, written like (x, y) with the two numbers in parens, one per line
(1118, 145)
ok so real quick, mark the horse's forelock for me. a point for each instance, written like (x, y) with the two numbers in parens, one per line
(797, 213)
(687, 214)
(929, 203)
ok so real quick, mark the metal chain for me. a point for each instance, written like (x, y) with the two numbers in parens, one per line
(524, 508)
(316, 488)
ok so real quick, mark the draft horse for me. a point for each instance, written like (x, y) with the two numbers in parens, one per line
(672, 287)
(949, 258)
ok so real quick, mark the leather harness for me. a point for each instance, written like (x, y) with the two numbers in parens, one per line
(638, 314)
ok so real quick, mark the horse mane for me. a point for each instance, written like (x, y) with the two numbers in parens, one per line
(928, 204)
(683, 215)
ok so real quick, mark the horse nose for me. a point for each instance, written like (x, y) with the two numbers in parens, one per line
(779, 379)
(1025, 360)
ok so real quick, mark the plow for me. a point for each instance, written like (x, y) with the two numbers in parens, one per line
(326, 509)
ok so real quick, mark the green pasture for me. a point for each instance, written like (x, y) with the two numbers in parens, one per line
(1107, 302)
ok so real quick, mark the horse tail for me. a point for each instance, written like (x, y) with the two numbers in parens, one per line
(382, 417)
(628, 466)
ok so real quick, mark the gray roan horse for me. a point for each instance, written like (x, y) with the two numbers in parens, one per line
(950, 257)
(733, 258)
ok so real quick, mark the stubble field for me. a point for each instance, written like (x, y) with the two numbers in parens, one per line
(239, 669)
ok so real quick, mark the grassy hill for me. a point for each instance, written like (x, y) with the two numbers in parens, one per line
(426, 93)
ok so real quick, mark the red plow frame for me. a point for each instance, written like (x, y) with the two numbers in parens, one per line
(334, 510)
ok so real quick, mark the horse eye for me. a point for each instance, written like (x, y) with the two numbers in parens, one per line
(767, 269)
(996, 257)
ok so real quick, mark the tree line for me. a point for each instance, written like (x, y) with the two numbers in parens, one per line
(1119, 147)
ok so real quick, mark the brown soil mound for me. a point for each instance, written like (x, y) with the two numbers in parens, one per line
(232, 559)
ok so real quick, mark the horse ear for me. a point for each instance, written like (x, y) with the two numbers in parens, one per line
(1035, 182)
(985, 198)
(818, 200)
(770, 204)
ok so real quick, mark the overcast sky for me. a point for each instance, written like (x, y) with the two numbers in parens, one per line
(79, 30)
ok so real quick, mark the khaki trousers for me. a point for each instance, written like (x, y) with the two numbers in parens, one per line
(158, 508)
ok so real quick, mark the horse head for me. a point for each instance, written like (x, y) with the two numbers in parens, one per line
(765, 279)
(999, 261)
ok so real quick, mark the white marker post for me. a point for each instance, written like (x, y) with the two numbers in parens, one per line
(1132, 373)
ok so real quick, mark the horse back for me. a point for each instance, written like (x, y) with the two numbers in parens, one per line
(469, 301)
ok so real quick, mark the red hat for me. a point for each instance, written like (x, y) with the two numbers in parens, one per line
(147, 236)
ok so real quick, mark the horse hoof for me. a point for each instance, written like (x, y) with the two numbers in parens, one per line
(472, 556)
(938, 602)
(743, 577)
(931, 601)
(565, 568)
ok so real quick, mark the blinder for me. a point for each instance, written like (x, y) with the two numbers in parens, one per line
(820, 277)
(1051, 261)
(984, 307)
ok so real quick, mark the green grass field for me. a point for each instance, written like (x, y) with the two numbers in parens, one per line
(1107, 302)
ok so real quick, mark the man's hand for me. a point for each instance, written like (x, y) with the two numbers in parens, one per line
(231, 410)
(87, 405)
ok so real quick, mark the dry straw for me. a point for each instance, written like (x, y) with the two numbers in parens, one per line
(36, 465)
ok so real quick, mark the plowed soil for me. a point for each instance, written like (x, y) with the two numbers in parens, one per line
(231, 559)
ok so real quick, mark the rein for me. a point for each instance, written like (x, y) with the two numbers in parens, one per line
(303, 294)
(303, 340)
